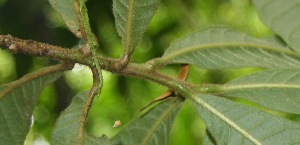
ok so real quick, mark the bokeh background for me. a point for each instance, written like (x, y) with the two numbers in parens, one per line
(122, 97)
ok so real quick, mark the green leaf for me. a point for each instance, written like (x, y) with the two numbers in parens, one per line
(282, 17)
(276, 89)
(208, 139)
(220, 48)
(16, 108)
(67, 11)
(232, 123)
(67, 126)
(151, 128)
(132, 19)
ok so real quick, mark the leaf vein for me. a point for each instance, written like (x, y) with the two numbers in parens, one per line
(227, 120)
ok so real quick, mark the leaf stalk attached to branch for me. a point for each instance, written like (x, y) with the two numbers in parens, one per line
(94, 91)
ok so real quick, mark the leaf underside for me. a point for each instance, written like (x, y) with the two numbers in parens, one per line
(224, 48)
(283, 18)
(68, 13)
(67, 126)
(275, 89)
(132, 19)
(16, 109)
(152, 128)
(232, 123)
(208, 139)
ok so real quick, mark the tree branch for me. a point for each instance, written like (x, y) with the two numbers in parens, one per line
(144, 71)
(94, 91)
(34, 48)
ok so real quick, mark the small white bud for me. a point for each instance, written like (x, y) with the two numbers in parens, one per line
(117, 123)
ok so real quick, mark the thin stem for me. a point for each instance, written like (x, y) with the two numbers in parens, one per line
(94, 91)
(29, 77)
(88, 34)
(128, 48)
(142, 71)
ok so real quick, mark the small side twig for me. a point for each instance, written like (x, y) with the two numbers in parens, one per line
(87, 34)
(94, 91)
(26, 78)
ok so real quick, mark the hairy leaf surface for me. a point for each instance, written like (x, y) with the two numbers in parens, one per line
(132, 19)
(220, 48)
(16, 109)
(151, 128)
(67, 126)
(282, 17)
(232, 123)
(276, 89)
(68, 13)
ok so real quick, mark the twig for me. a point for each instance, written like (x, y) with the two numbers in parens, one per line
(29, 77)
(94, 91)
(75, 56)
(35, 48)
(92, 43)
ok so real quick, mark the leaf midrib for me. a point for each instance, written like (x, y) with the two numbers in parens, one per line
(225, 119)
(185, 50)
(230, 87)
(128, 32)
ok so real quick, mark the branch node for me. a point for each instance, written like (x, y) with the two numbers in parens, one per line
(13, 47)
(86, 50)
(123, 62)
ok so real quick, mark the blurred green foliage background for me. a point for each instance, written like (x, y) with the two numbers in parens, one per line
(121, 97)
